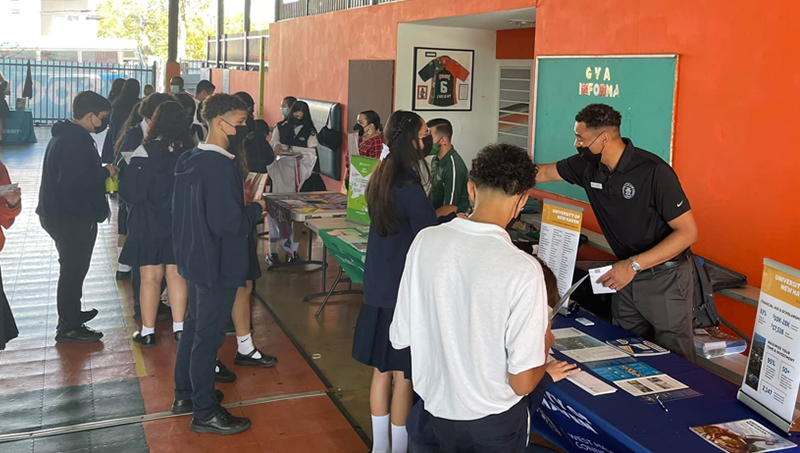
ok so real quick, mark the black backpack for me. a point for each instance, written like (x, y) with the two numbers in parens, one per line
(705, 309)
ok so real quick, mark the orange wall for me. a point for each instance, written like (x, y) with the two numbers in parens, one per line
(516, 44)
(736, 113)
(309, 57)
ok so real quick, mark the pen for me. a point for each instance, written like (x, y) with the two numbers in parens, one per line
(660, 403)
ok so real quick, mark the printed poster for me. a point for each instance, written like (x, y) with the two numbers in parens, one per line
(773, 371)
(558, 240)
(744, 436)
(443, 79)
(361, 169)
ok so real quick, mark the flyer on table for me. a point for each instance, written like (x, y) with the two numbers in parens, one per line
(773, 370)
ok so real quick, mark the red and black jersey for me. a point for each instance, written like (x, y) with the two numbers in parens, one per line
(444, 72)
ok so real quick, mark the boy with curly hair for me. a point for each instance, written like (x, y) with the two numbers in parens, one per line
(473, 309)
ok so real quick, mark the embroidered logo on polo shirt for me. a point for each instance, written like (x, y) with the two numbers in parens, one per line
(302, 139)
(628, 191)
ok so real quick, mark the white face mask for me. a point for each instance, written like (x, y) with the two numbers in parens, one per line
(175, 89)
(284, 111)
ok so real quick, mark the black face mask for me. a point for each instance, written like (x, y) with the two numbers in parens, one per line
(235, 141)
(103, 125)
(296, 121)
(360, 129)
(427, 145)
(587, 154)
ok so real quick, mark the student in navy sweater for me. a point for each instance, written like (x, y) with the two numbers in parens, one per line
(147, 188)
(210, 226)
(71, 203)
(128, 139)
(398, 210)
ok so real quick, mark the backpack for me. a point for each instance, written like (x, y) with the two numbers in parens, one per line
(705, 308)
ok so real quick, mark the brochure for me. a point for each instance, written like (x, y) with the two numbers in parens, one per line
(627, 368)
(743, 436)
(583, 348)
(637, 347)
(649, 385)
(8, 188)
(596, 274)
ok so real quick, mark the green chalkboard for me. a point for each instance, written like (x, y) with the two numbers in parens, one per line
(641, 88)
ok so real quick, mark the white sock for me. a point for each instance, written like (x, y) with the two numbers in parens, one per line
(273, 247)
(122, 267)
(399, 439)
(295, 246)
(245, 346)
(380, 434)
(177, 326)
(148, 330)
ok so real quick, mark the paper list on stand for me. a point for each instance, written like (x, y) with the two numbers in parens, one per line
(559, 239)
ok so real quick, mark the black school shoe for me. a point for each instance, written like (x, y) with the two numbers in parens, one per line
(221, 422)
(83, 318)
(145, 341)
(266, 361)
(177, 336)
(223, 374)
(80, 334)
(180, 407)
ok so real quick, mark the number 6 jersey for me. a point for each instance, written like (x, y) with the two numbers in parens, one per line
(445, 72)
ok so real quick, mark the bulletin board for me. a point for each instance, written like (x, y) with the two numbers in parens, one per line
(641, 87)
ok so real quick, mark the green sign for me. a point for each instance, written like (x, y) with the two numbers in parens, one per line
(361, 169)
(641, 88)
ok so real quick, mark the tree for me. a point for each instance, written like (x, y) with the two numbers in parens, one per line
(147, 21)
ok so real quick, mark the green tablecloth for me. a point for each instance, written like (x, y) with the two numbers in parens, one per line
(351, 259)
(18, 128)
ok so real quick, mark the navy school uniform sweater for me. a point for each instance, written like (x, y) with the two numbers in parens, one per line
(73, 179)
(259, 152)
(386, 256)
(147, 187)
(210, 223)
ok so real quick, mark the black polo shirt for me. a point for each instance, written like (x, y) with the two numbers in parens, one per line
(634, 203)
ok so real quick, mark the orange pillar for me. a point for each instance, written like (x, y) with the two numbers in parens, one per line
(172, 69)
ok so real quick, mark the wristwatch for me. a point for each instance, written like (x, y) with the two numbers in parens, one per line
(635, 265)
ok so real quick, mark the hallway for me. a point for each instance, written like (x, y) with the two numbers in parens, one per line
(112, 396)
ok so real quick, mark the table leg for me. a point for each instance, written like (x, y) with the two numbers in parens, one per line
(328, 296)
(309, 262)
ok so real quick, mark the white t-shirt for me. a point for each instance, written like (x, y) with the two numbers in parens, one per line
(473, 308)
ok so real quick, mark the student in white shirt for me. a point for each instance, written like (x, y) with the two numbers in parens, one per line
(473, 309)
(294, 141)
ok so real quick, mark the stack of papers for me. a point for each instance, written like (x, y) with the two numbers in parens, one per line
(712, 342)
(353, 237)
(588, 383)
(636, 378)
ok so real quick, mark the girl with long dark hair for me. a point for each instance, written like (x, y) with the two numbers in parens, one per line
(295, 143)
(116, 89)
(398, 210)
(125, 103)
(147, 187)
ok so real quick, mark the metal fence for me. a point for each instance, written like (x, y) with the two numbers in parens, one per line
(239, 50)
(55, 83)
(290, 9)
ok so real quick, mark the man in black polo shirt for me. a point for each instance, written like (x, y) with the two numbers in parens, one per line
(648, 222)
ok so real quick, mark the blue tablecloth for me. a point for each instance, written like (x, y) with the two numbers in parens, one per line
(18, 128)
(619, 422)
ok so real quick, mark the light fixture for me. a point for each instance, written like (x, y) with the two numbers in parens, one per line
(521, 22)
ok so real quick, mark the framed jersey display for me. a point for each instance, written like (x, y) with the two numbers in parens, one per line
(443, 79)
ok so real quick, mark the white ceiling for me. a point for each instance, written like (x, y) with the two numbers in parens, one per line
(488, 21)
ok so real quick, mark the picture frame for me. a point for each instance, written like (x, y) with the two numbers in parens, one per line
(443, 80)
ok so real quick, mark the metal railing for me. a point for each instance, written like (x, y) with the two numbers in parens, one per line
(238, 51)
(56, 83)
(290, 9)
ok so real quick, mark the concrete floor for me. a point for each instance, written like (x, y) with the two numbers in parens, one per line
(326, 340)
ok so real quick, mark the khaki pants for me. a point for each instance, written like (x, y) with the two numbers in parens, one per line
(658, 306)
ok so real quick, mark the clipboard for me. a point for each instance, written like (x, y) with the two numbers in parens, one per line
(565, 298)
